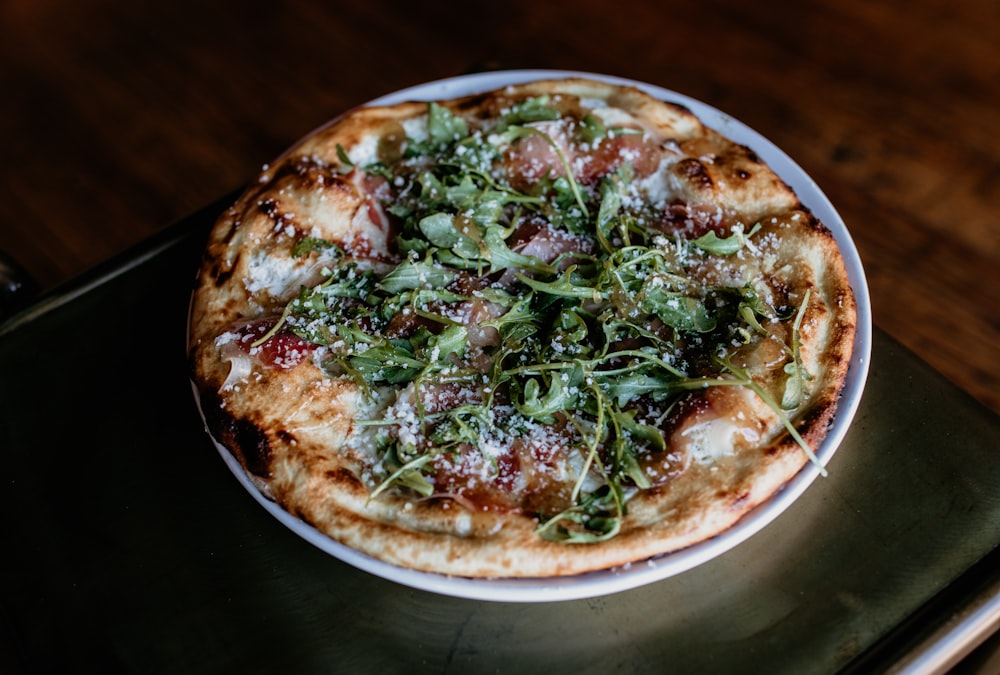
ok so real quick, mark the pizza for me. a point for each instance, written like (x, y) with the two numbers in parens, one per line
(557, 327)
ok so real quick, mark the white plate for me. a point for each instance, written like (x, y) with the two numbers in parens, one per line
(645, 572)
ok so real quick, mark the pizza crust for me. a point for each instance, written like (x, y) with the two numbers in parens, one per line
(295, 429)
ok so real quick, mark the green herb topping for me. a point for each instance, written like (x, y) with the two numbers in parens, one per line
(542, 320)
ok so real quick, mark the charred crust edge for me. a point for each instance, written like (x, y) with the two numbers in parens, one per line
(247, 442)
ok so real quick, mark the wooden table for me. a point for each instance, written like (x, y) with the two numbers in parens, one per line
(119, 118)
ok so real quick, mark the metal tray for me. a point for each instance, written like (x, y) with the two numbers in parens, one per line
(130, 548)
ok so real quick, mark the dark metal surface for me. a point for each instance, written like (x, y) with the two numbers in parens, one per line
(129, 547)
(17, 289)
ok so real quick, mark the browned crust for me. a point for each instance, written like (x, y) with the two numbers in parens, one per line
(313, 477)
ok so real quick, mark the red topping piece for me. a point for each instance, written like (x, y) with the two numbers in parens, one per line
(283, 350)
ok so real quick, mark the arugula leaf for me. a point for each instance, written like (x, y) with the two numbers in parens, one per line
(797, 374)
(645, 433)
(345, 160)
(563, 287)
(452, 340)
(535, 109)
(611, 203)
(596, 518)
(407, 475)
(443, 126)
(675, 309)
(535, 404)
(592, 128)
(570, 332)
(486, 210)
(390, 361)
(624, 449)
(502, 258)
(516, 324)
(440, 229)
(624, 389)
(629, 465)
(307, 245)
(750, 307)
(413, 274)
(712, 243)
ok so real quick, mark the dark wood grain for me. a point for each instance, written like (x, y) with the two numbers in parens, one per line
(120, 118)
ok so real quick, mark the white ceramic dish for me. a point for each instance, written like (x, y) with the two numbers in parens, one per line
(645, 572)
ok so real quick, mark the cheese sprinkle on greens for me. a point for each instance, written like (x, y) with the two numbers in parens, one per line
(530, 309)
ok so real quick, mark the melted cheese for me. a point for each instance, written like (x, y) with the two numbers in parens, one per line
(365, 152)
(271, 274)
(614, 117)
(416, 128)
(711, 440)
